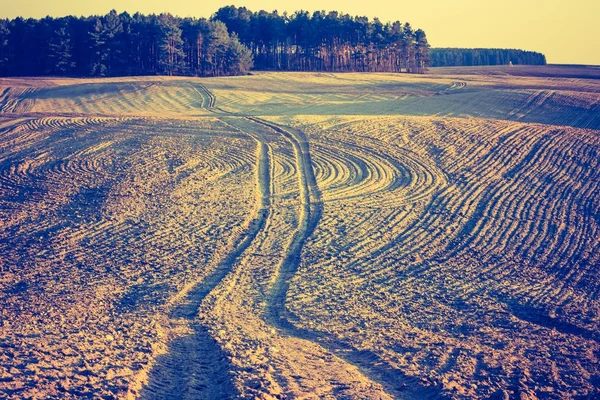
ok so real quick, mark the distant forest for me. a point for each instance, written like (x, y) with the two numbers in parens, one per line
(449, 57)
(230, 43)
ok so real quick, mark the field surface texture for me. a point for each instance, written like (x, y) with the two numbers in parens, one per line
(295, 235)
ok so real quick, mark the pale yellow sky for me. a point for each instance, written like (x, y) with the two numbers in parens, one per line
(566, 31)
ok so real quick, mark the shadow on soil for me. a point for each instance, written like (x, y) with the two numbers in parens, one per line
(194, 368)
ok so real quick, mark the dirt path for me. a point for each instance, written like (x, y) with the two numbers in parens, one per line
(194, 366)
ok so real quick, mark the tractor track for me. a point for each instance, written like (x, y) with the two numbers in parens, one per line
(195, 367)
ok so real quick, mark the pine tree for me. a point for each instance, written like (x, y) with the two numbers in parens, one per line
(216, 48)
(98, 49)
(193, 32)
(171, 55)
(60, 52)
(408, 45)
(421, 51)
(4, 34)
(105, 45)
(238, 57)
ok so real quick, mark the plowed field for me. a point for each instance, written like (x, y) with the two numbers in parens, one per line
(295, 235)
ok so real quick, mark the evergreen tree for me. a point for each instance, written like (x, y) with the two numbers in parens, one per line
(105, 43)
(99, 55)
(193, 33)
(216, 49)
(22, 46)
(4, 34)
(171, 55)
(238, 57)
(60, 51)
(408, 44)
(421, 51)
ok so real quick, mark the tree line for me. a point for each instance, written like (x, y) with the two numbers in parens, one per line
(327, 41)
(230, 43)
(120, 44)
(451, 57)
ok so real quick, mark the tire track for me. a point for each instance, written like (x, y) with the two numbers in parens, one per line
(310, 213)
(206, 95)
(395, 382)
(195, 366)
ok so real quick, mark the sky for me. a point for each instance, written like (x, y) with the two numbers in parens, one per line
(567, 32)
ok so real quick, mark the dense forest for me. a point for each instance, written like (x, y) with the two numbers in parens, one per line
(326, 41)
(229, 43)
(120, 44)
(450, 57)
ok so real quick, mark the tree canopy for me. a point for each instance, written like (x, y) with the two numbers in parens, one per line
(230, 43)
(120, 44)
(451, 57)
(326, 41)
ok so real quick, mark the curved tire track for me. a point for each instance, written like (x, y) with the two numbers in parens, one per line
(310, 213)
(395, 382)
(195, 366)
